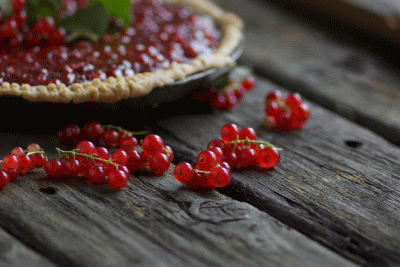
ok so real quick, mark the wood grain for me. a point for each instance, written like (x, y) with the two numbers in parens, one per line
(337, 182)
(379, 18)
(13, 253)
(341, 77)
(151, 222)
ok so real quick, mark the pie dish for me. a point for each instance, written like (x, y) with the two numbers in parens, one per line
(110, 83)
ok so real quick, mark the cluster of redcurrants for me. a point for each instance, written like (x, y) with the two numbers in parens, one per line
(285, 113)
(20, 161)
(14, 28)
(154, 158)
(226, 97)
(237, 149)
(95, 164)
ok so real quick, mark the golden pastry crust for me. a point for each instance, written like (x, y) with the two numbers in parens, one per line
(115, 89)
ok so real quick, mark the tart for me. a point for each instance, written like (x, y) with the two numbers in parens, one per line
(165, 42)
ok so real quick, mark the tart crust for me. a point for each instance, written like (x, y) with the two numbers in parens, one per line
(115, 89)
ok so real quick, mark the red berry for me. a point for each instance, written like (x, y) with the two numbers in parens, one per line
(18, 5)
(53, 168)
(199, 182)
(293, 100)
(206, 160)
(18, 151)
(24, 163)
(272, 109)
(225, 165)
(12, 175)
(247, 132)
(152, 144)
(117, 179)
(268, 157)
(134, 162)
(247, 157)
(125, 169)
(119, 157)
(283, 122)
(183, 172)
(10, 163)
(69, 135)
(4, 179)
(102, 153)
(167, 150)
(62, 136)
(128, 142)
(110, 137)
(299, 116)
(248, 83)
(239, 92)
(232, 159)
(273, 96)
(86, 164)
(85, 147)
(219, 177)
(38, 160)
(93, 131)
(215, 143)
(32, 147)
(159, 164)
(218, 153)
(96, 175)
(229, 132)
(217, 101)
(72, 167)
(44, 25)
(230, 102)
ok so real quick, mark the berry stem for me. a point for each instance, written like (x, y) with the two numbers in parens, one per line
(74, 153)
(120, 129)
(28, 153)
(200, 171)
(248, 141)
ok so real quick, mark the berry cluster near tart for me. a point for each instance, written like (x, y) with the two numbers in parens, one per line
(75, 56)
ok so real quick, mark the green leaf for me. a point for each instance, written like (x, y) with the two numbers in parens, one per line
(90, 23)
(5, 7)
(36, 9)
(118, 8)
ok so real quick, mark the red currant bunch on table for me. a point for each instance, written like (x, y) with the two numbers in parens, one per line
(154, 157)
(228, 92)
(21, 161)
(285, 113)
(93, 163)
(236, 149)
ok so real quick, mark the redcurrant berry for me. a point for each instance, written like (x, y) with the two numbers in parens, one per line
(152, 144)
(268, 157)
(183, 172)
(229, 132)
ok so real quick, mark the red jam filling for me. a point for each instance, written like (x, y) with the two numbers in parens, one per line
(159, 36)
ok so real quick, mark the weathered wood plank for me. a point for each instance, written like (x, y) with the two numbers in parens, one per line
(152, 222)
(13, 253)
(380, 18)
(337, 182)
(341, 77)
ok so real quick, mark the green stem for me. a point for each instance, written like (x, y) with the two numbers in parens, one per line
(28, 153)
(199, 171)
(74, 153)
(120, 129)
(248, 141)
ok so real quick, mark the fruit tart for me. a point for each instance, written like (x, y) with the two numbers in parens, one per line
(79, 50)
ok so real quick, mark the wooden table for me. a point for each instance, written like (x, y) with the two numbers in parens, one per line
(333, 200)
